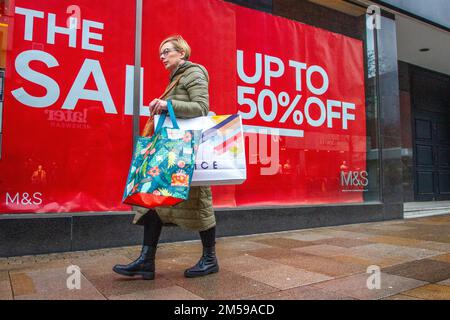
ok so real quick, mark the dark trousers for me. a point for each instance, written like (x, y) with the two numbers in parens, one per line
(153, 226)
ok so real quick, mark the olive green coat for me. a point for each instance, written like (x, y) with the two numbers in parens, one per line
(190, 99)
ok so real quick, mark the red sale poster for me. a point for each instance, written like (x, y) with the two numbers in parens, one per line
(67, 118)
(299, 89)
(66, 135)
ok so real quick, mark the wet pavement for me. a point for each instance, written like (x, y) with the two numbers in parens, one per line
(413, 257)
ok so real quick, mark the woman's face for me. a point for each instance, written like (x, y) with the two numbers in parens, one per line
(170, 57)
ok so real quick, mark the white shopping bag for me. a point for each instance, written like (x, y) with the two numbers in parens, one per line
(220, 156)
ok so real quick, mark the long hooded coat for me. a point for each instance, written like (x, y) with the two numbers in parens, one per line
(190, 99)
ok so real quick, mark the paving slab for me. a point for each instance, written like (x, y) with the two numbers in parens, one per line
(322, 265)
(90, 293)
(224, 285)
(394, 251)
(271, 253)
(247, 263)
(430, 292)
(356, 286)
(338, 233)
(285, 243)
(431, 245)
(444, 258)
(5, 286)
(308, 236)
(112, 284)
(401, 297)
(344, 242)
(39, 265)
(99, 265)
(167, 293)
(426, 270)
(323, 250)
(245, 245)
(302, 293)
(370, 261)
(445, 282)
(426, 236)
(50, 284)
(285, 277)
(392, 227)
(4, 276)
(178, 263)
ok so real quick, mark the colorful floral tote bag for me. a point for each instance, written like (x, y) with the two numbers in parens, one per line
(162, 166)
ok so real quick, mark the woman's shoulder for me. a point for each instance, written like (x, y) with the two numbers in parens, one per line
(196, 68)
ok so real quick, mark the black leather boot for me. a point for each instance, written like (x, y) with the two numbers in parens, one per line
(143, 266)
(206, 265)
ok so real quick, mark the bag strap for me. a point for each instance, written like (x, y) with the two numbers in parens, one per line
(171, 86)
(172, 114)
(163, 116)
(148, 128)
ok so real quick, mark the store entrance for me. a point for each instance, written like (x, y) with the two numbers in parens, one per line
(431, 134)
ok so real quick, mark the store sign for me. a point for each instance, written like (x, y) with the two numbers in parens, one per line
(351, 181)
(66, 140)
(89, 68)
(300, 109)
(67, 118)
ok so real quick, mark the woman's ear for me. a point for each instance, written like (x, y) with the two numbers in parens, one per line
(183, 54)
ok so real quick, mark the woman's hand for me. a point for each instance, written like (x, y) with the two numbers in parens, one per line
(157, 106)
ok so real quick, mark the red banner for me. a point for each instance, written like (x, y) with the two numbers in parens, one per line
(67, 124)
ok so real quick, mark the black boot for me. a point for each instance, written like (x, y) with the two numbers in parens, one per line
(144, 265)
(206, 265)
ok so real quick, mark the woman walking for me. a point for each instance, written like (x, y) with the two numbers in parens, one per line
(188, 90)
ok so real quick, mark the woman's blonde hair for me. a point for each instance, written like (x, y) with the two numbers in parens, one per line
(179, 44)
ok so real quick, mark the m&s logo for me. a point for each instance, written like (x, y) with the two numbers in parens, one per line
(24, 199)
(354, 179)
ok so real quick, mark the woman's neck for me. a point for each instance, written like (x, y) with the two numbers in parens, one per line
(177, 67)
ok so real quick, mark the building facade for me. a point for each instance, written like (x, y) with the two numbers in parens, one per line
(345, 107)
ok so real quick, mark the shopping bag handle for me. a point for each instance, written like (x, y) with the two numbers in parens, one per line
(163, 116)
(172, 114)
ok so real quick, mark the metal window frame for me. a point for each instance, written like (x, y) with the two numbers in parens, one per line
(137, 72)
(2, 97)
